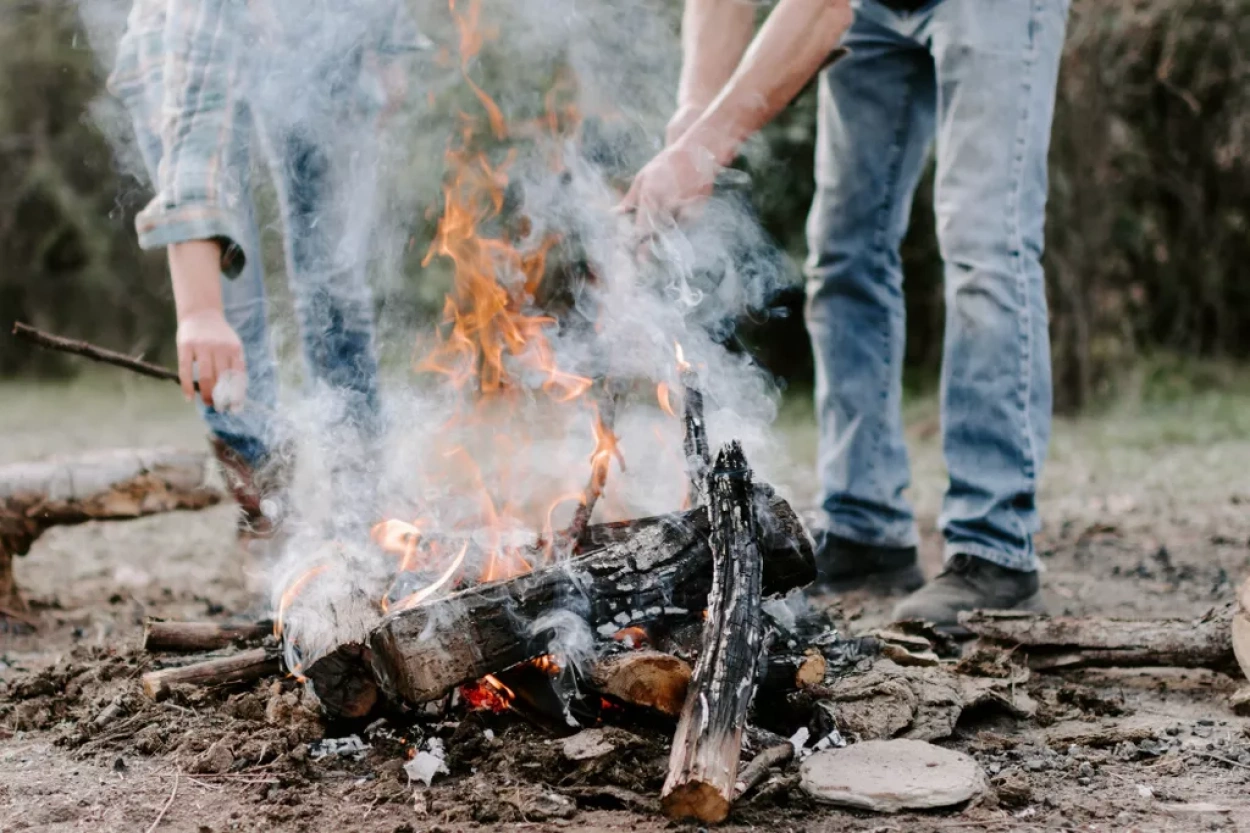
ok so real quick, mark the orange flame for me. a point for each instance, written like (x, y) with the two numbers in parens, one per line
(290, 594)
(665, 397)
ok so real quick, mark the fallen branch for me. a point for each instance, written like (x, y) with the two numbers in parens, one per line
(760, 765)
(193, 637)
(1060, 642)
(239, 668)
(703, 765)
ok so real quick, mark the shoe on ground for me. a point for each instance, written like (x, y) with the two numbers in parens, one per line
(971, 583)
(844, 566)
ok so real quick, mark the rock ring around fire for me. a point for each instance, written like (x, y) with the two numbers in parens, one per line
(887, 776)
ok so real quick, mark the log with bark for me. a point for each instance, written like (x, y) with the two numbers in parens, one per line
(107, 485)
(191, 637)
(649, 679)
(1059, 642)
(632, 573)
(242, 667)
(703, 764)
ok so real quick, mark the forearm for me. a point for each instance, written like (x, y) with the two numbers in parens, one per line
(195, 272)
(790, 48)
(714, 36)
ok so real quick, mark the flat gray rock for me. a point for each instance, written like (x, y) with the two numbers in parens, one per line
(887, 776)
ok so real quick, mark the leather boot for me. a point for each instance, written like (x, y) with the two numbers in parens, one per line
(971, 583)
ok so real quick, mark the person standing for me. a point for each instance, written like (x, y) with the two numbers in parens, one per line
(203, 80)
(976, 79)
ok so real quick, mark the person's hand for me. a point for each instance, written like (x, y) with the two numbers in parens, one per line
(686, 115)
(208, 344)
(672, 185)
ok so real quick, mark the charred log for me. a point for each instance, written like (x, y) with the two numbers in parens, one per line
(643, 571)
(343, 682)
(703, 765)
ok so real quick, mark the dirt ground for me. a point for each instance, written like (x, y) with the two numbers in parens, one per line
(1147, 513)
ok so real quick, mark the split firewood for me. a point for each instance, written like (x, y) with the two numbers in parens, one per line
(703, 765)
(238, 668)
(1061, 642)
(649, 679)
(191, 637)
(126, 483)
(343, 682)
(641, 571)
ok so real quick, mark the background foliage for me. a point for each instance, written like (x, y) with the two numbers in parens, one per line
(1148, 246)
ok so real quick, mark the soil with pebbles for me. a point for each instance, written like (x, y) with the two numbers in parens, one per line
(1134, 528)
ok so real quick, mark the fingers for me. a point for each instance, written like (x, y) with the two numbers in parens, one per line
(186, 365)
(206, 364)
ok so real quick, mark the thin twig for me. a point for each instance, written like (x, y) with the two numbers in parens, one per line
(173, 794)
(90, 351)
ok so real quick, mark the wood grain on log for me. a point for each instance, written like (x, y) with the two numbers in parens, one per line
(1072, 642)
(649, 679)
(703, 764)
(242, 667)
(192, 637)
(647, 570)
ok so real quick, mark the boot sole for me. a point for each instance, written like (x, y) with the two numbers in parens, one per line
(1030, 604)
(885, 583)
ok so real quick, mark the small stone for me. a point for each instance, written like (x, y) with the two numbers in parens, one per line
(1240, 701)
(214, 760)
(1085, 770)
(1204, 731)
(587, 744)
(119, 764)
(1206, 721)
(891, 775)
(1036, 765)
(1084, 782)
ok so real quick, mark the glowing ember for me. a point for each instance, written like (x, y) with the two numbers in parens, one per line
(632, 637)
(488, 694)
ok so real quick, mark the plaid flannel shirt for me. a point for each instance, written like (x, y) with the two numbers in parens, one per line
(180, 71)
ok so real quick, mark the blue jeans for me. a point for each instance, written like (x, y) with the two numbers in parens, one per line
(323, 179)
(978, 76)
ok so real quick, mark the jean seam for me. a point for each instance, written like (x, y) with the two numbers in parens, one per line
(1024, 390)
(879, 242)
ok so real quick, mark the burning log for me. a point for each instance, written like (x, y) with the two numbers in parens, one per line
(703, 766)
(695, 445)
(650, 679)
(243, 667)
(1052, 643)
(641, 571)
(190, 637)
(105, 485)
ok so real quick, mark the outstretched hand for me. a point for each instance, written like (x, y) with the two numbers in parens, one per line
(671, 186)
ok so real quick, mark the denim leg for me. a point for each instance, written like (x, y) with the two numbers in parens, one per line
(875, 123)
(997, 65)
(250, 430)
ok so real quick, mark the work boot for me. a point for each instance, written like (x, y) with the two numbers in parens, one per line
(843, 566)
(971, 583)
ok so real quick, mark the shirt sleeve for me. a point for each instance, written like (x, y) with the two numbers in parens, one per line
(200, 180)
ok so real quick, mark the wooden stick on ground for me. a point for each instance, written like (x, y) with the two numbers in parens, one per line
(1072, 642)
(90, 351)
(192, 637)
(703, 765)
(757, 770)
(238, 668)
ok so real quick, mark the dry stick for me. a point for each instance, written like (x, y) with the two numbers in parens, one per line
(168, 803)
(598, 476)
(695, 445)
(238, 668)
(757, 770)
(189, 637)
(90, 351)
(703, 766)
